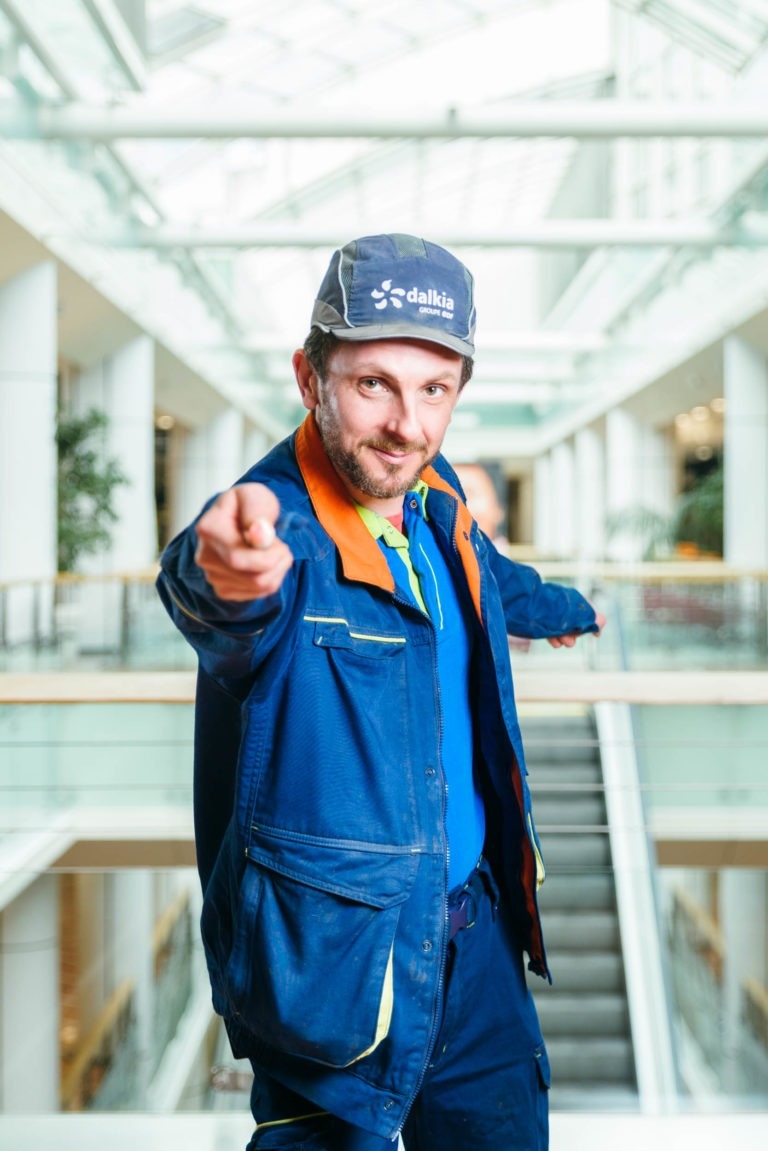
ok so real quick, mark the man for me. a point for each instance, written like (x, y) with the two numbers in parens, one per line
(363, 824)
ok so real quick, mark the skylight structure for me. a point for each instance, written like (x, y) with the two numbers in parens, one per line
(201, 160)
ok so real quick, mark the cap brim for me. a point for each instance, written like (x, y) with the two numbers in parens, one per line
(401, 332)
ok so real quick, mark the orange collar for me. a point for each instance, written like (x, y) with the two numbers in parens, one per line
(361, 557)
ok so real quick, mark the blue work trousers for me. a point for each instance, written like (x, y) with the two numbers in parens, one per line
(486, 1087)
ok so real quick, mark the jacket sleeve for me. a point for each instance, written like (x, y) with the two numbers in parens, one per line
(535, 609)
(229, 637)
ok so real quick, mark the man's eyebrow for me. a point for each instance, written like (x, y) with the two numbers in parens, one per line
(371, 368)
(374, 369)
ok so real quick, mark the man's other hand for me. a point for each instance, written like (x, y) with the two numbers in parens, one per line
(238, 549)
(570, 640)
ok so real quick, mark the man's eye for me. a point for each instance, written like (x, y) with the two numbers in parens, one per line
(434, 390)
(371, 384)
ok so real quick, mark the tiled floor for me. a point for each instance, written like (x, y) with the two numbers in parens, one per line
(227, 1132)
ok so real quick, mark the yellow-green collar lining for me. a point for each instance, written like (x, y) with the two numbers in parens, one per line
(382, 528)
(379, 526)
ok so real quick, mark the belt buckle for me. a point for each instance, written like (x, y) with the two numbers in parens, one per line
(459, 915)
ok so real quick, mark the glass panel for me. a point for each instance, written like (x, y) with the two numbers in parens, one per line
(69, 760)
(720, 1004)
(89, 625)
(73, 39)
(683, 753)
(126, 958)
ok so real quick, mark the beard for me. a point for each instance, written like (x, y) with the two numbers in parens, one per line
(348, 462)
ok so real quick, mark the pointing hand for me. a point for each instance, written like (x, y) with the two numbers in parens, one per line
(238, 549)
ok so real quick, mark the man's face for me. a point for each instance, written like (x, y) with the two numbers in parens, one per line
(382, 412)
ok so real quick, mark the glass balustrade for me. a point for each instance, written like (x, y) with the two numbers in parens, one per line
(85, 774)
(672, 615)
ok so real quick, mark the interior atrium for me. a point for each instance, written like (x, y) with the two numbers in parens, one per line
(173, 179)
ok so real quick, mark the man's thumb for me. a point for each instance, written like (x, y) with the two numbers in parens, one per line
(260, 533)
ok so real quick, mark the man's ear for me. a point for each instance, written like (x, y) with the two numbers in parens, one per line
(306, 378)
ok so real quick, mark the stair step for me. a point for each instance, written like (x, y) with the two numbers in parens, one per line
(596, 1059)
(559, 752)
(558, 808)
(576, 892)
(571, 730)
(568, 850)
(580, 931)
(594, 1097)
(585, 971)
(563, 1015)
(568, 773)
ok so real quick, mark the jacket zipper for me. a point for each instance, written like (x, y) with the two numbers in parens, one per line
(446, 870)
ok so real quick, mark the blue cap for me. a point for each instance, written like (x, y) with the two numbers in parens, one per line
(394, 286)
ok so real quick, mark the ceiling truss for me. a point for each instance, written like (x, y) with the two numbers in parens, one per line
(751, 231)
(583, 120)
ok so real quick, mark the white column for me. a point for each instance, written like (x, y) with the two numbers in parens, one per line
(123, 387)
(209, 460)
(543, 503)
(563, 487)
(657, 469)
(28, 352)
(589, 451)
(658, 481)
(130, 955)
(30, 1015)
(623, 480)
(745, 443)
(743, 914)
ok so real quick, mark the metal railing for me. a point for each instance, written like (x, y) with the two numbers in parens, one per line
(696, 611)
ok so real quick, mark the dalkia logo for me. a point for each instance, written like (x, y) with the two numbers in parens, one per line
(430, 301)
(387, 295)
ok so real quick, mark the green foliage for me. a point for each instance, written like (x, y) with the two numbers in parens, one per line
(699, 514)
(697, 519)
(86, 483)
(651, 528)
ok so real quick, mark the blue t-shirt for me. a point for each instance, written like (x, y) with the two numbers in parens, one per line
(451, 614)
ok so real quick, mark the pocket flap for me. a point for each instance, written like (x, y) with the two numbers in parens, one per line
(364, 641)
(542, 1065)
(378, 875)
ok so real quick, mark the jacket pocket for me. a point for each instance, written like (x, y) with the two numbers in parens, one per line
(370, 643)
(541, 1059)
(311, 969)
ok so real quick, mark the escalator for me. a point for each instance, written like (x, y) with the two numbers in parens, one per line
(584, 1014)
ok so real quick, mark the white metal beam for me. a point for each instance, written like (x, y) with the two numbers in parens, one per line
(65, 79)
(585, 119)
(119, 41)
(549, 233)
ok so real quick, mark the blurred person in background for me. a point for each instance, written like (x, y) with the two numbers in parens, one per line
(483, 502)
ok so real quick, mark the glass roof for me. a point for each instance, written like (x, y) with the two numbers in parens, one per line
(235, 310)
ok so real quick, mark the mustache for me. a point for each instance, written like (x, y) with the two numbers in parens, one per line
(382, 444)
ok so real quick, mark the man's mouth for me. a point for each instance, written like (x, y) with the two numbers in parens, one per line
(395, 454)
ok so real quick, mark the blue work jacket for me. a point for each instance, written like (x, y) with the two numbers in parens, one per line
(319, 791)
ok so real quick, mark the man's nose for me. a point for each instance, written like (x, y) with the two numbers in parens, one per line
(403, 420)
